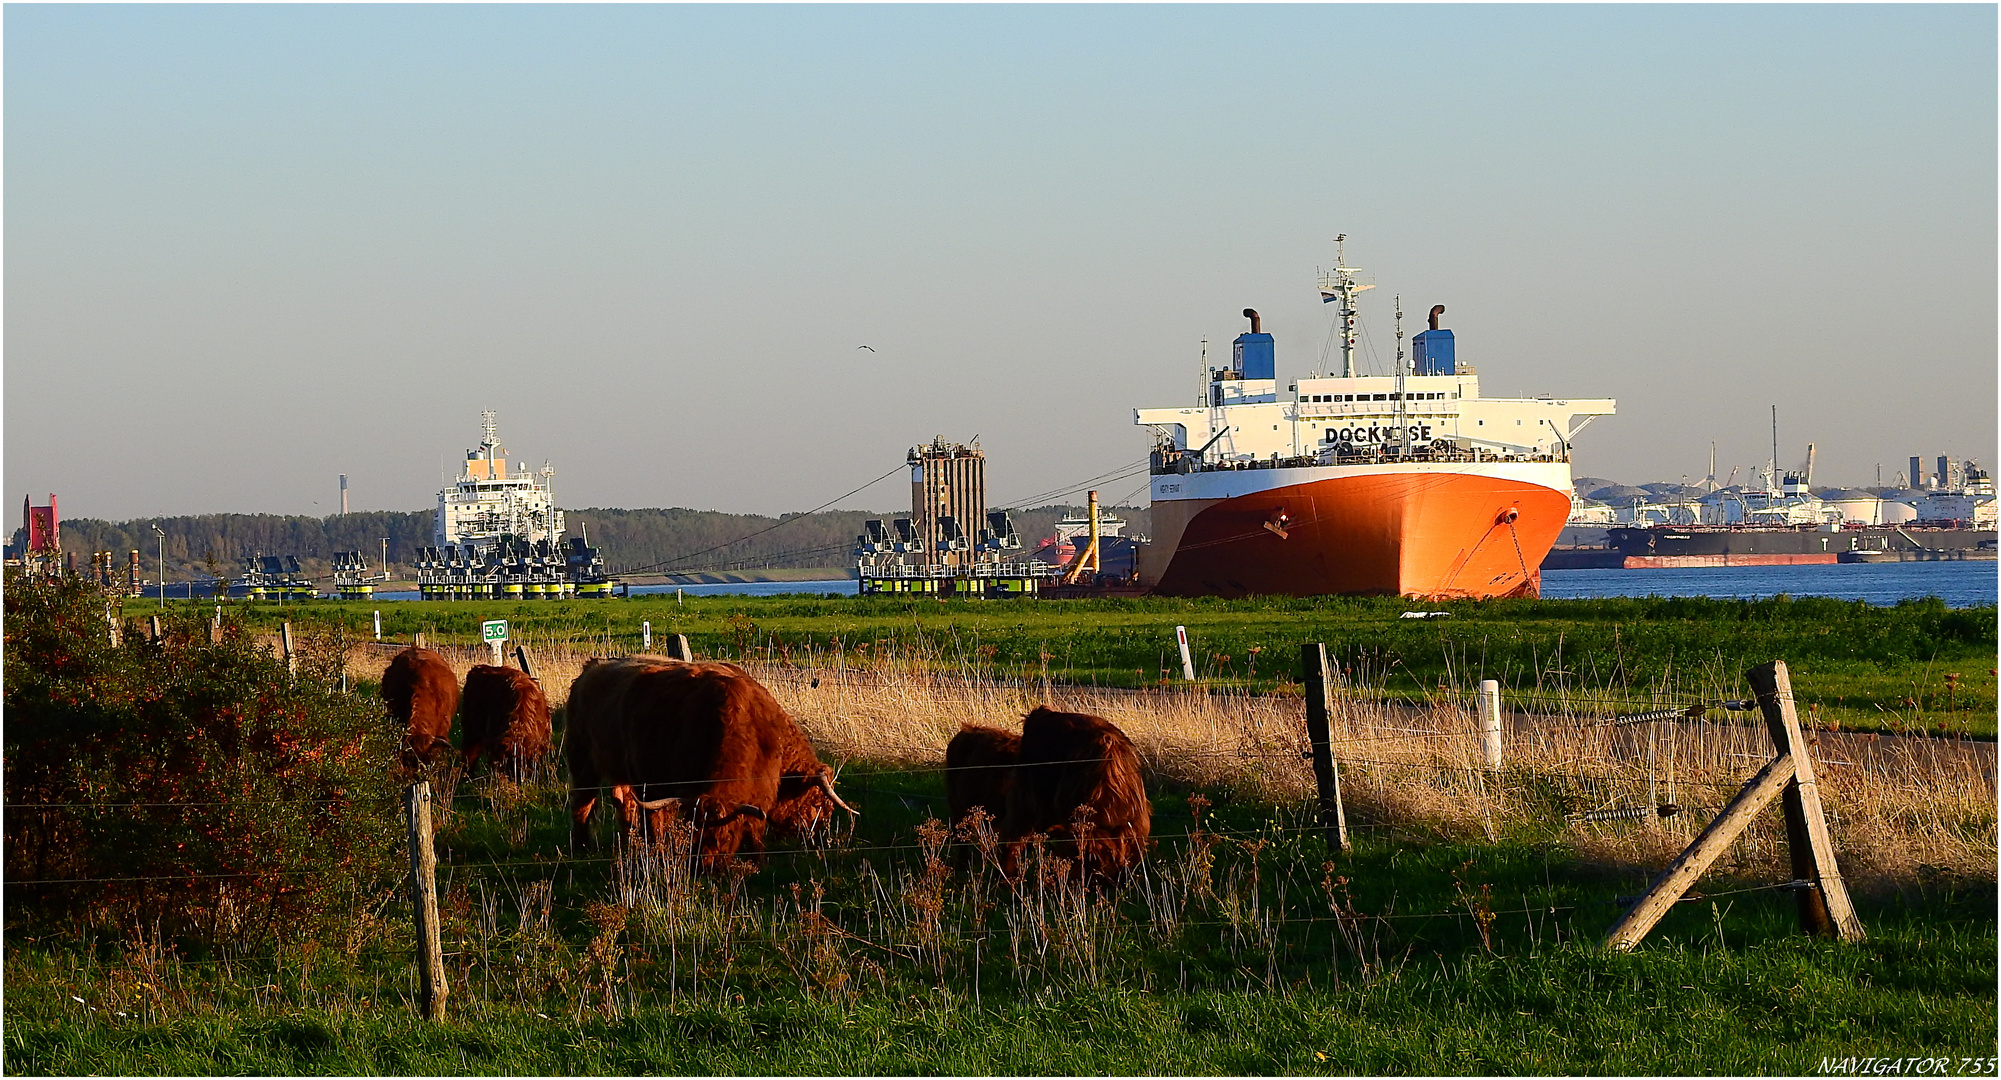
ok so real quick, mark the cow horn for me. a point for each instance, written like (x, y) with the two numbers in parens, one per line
(827, 785)
(671, 802)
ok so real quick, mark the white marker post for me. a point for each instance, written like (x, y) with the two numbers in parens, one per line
(495, 633)
(378, 626)
(1490, 722)
(1187, 665)
(646, 636)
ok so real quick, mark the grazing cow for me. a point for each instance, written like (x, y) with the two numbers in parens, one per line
(506, 718)
(979, 770)
(1077, 782)
(665, 735)
(422, 693)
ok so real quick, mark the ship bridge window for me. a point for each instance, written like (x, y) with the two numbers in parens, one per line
(1382, 397)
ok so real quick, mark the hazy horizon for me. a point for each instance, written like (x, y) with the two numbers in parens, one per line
(250, 248)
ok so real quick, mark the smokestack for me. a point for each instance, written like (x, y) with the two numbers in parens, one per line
(1257, 325)
(133, 574)
(1809, 465)
(343, 493)
(1917, 472)
(1436, 311)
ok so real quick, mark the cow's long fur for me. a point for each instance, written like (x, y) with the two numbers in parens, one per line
(706, 734)
(979, 771)
(505, 717)
(422, 693)
(1076, 767)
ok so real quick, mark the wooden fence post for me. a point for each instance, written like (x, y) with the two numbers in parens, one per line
(424, 901)
(154, 625)
(521, 655)
(677, 648)
(285, 637)
(1490, 721)
(1326, 773)
(1824, 909)
(1668, 888)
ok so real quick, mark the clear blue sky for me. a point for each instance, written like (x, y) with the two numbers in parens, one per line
(250, 248)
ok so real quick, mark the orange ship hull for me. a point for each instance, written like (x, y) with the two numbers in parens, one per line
(1412, 533)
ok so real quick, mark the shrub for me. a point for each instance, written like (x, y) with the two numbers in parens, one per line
(184, 784)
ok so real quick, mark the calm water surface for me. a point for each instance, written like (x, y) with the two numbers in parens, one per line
(1959, 584)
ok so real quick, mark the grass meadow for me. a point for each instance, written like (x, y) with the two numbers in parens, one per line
(1915, 667)
(1457, 935)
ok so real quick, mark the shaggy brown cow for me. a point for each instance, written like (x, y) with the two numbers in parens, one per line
(1078, 782)
(979, 771)
(422, 693)
(664, 736)
(506, 718)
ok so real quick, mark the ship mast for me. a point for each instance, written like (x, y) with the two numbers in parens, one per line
(1340, 285)
(1403, 419)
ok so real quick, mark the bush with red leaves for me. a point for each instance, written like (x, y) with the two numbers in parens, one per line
(191, 785)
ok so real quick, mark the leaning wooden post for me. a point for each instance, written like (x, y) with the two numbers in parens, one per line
(521, 655)
(1326, 774)
(1668, 888)
(154, 628)
(1825, 908)
(424, 901)
(677, 648)
(285, 636)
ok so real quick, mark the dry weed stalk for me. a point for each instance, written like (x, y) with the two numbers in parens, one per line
(1900, 807)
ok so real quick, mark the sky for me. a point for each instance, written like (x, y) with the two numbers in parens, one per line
(250, 248)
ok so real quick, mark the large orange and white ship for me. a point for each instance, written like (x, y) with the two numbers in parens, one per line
(1403, 484)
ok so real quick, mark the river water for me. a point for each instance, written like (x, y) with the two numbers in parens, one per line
(1959, 584)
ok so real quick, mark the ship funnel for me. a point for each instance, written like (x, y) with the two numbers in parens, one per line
(1433, 351)
(1257, 325)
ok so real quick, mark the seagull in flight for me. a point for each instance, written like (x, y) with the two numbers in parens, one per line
(870, 348)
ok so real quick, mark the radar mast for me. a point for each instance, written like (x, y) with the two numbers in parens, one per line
(1340, 285)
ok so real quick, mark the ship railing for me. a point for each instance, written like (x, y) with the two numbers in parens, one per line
(1346, 455)
(976, 570)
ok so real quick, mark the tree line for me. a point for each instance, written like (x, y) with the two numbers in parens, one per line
(650, 540)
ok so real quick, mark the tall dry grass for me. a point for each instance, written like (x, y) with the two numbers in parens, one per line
(1899, 808)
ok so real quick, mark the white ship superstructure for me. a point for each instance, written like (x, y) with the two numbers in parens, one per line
(499, 535)
(487, 502)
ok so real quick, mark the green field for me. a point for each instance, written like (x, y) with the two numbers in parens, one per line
(1408, 955)
(1917, 666)
(206, 875)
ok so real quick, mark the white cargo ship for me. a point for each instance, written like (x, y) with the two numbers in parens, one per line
(1409, 483)
(498, 534)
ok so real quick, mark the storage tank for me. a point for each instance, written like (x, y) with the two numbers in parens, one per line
(1857, 506)
(1892, 512)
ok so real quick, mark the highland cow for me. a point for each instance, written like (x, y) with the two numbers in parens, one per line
(1077, 783)
(422, 693)
(979, 771)
(506, 717)
(664, 737)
